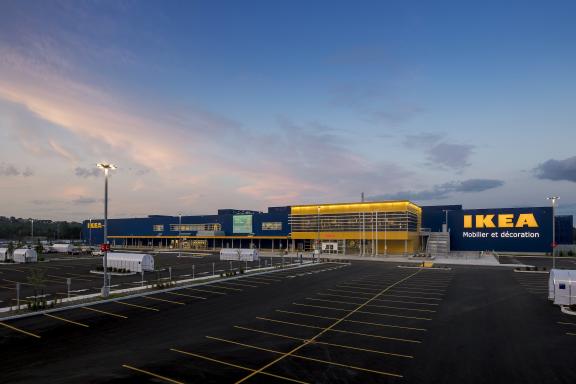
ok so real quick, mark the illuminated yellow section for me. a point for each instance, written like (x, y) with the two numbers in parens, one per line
(382, 206)
(380, 235)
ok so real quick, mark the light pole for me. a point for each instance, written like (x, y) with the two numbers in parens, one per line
(32, 231)
(90, 233)
(553, 199)
(318, 231)
(445, 229)
(106, 167)
(179, 235)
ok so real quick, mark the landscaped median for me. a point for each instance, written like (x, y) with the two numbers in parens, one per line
(162, 285)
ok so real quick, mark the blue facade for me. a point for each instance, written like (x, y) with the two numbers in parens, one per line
(518, 237)
(502, 229)
(564, 229)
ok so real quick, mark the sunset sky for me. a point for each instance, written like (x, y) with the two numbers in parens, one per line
(249, 104)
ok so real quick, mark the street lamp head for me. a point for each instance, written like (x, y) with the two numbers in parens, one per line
(553, 198)
(106, 166)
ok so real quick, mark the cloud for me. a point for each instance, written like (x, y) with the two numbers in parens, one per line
(439, 152)
(443, 191)
(557, 170)
(87, 172)
(85, 200)
(7, 169)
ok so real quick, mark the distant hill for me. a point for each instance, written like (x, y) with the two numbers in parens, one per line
(17, 228)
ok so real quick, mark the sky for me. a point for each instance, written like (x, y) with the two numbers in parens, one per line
(250, 104)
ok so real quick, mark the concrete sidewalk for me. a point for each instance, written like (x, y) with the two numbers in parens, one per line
(486, 260)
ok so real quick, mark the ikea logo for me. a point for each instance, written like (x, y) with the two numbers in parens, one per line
(95, 225)
(507, 220)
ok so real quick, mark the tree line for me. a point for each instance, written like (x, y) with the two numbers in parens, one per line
(12, 228)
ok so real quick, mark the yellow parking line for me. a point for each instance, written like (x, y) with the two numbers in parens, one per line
(104, 312)
(205, 290)
(238, 284)
(235, 365)
(137, 306)
(384, 294)
(153, 374)
(339, 330)
(325, 343)
(232, 289)
(386, 300)
(305, 358)
(371, 305)
(185, 295)
(20, 330)
(159, 299)
(352, 321)
(66, 320)
(324, 330)
(365, 312)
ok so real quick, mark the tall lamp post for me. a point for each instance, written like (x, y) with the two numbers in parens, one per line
(106, 167)
(318, 232)
(32, 231)
(553, 199)
(179, 235)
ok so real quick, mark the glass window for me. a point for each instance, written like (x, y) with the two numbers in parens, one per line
(158, 228)
(272, 226)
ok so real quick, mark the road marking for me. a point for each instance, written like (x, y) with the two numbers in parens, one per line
(376, 289)
(137, 306)
(153, 374)
(300, 357)
(325, 343)
(230, 288)
(372, 305)
(353, 321)
(386, 300)
(365, 312)
(235, 365)
(250, 280)
(205, 290)
(64, 278)
(159, 299)
(411, 284)
(104, 312)
(185, 295)
(5, 287)
(66, 320)
(238, 284)
(340, 330)
(259, 277)
(565, 323)
(20, 330)
(571, 334)
(387, 295)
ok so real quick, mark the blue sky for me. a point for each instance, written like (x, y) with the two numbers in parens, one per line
(213, 104)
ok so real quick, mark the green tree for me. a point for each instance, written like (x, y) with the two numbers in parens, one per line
(37, 280)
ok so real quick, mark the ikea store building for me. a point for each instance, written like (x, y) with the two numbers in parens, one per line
(364, 228)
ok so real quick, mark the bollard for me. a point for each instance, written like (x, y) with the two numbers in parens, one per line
(212, 269)
(193, 271)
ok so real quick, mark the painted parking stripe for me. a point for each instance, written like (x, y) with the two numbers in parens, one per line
(19, 330)
(383, 373)
(566, 323)
(230, 288)
(167, 379)
(137, 306)
(364, 312)
(339, 330)
(239, 284)
(67, 320)
(386, 294)
(164, 300)
(352, 321)
(399, 287)
(205, 290)
(325, 343)
(185, 295)
(104, 312)
(385, 300)
(372, 305)
(235, 365)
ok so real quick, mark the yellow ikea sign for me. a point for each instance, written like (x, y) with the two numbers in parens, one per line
(507, 220)
(95, 225)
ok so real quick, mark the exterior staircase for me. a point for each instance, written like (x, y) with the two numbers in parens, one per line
(438, 244)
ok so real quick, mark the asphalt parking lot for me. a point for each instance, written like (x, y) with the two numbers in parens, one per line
(58, 268)
(367, 322)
